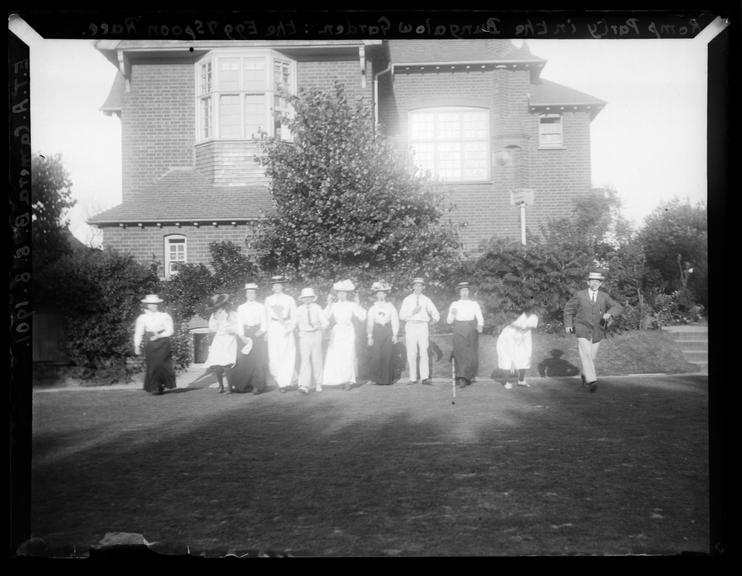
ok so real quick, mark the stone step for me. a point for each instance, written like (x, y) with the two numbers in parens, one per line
(694, 356)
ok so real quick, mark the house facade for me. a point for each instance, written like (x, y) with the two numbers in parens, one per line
(474, 113)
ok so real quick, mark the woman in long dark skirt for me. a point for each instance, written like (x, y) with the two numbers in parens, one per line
(382, 327)
(250, 372)
(466, 317)
(152, 335)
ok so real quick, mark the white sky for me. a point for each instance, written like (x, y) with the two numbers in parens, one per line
(649, 142)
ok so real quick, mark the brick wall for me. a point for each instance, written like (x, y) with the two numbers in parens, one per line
(157, 121)
(149, 240)
(315, 75)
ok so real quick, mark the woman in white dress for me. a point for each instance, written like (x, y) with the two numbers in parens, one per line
(281, 310)
(340, 362)
(224, 324)
(514, 346)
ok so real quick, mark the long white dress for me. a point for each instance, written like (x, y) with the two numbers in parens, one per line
(281, 310)
(514, 345)
(223, 349)
(340, 362)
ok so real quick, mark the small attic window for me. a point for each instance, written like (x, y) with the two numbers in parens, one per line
(550, 131)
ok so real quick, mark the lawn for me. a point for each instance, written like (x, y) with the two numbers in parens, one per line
(380, 471)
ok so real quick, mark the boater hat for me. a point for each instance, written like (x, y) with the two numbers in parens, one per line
(595, 275)
(462, 285)
(343, 286)
(152, 299)
(418, 280)
(307, 293)
(280, 279)
(251, 286)
(380, 286)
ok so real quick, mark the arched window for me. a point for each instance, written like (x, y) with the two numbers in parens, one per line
(176, 254)
(451, 143)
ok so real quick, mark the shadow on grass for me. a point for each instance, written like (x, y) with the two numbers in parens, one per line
(383, 470)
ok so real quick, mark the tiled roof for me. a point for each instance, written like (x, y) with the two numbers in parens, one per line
(546, 92)
(184, 194)
(115, 95)
(440, 51)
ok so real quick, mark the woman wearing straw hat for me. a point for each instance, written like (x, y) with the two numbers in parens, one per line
(152, 333)
(586, 314)
(340, 362)
(252, 355)
(281, 310)
(382, 327)
(224, 323)
(310, 322)
(466, 317)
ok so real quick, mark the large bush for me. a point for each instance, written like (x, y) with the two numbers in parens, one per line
(98, 294)
(347, 204)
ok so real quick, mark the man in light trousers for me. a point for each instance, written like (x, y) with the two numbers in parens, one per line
(417, 312)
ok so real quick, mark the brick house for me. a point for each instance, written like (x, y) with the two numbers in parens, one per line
(475, 113)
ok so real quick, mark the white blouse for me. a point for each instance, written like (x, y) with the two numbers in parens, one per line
(382, 313)
(253, 313)
(159, 324)
(464, 311)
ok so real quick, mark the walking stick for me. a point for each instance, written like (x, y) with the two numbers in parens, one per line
(453, 379)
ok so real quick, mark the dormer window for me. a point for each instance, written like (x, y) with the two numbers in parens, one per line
(238, 94)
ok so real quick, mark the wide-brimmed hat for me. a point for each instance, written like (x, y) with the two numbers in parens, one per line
(247, 347)
(595, 275)
(307, 293)
(418, 280)
(380, 286)
(152, 299)
(344, 286)
(461, 285)
(280, 279)
(218, 301)
(251, 286)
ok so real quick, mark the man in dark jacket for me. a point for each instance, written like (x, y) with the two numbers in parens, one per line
(587, 314)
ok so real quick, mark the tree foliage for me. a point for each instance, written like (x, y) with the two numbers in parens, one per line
(51, 198)
(346, 202)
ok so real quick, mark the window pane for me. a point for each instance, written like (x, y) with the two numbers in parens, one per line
(255, 78)
(423, 156)
(229, 117)
(475, 125)
(205, 117)
(449, 161)
(229, 74)
(255, 115)
(475, 161)
(205, 77)
(449, 125)
(422, 126)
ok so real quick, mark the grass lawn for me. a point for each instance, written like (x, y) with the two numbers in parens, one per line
(380, 471)
(636, 352)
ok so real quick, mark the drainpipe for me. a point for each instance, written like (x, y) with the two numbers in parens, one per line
(376, 92)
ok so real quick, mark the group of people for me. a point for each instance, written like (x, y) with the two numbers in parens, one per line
(256, 342)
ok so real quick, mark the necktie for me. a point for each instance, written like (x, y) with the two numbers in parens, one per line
(592, 296)
(309, 317)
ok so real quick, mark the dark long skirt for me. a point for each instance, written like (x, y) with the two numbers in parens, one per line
(159, 373)
(381, 355)
(250, 372)
(466, 349)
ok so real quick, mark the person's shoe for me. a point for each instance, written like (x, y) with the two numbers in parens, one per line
(411, 382)
(303, 390)
(318, 389)
(347, 386)
(584, 382)
(428, 382)
(508, 385)
(283, 390)
(593, 386)
(523, 383)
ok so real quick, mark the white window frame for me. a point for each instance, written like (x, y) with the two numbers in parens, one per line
(179, 239)
(439, 142)
(552, 131)
(212, 96)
